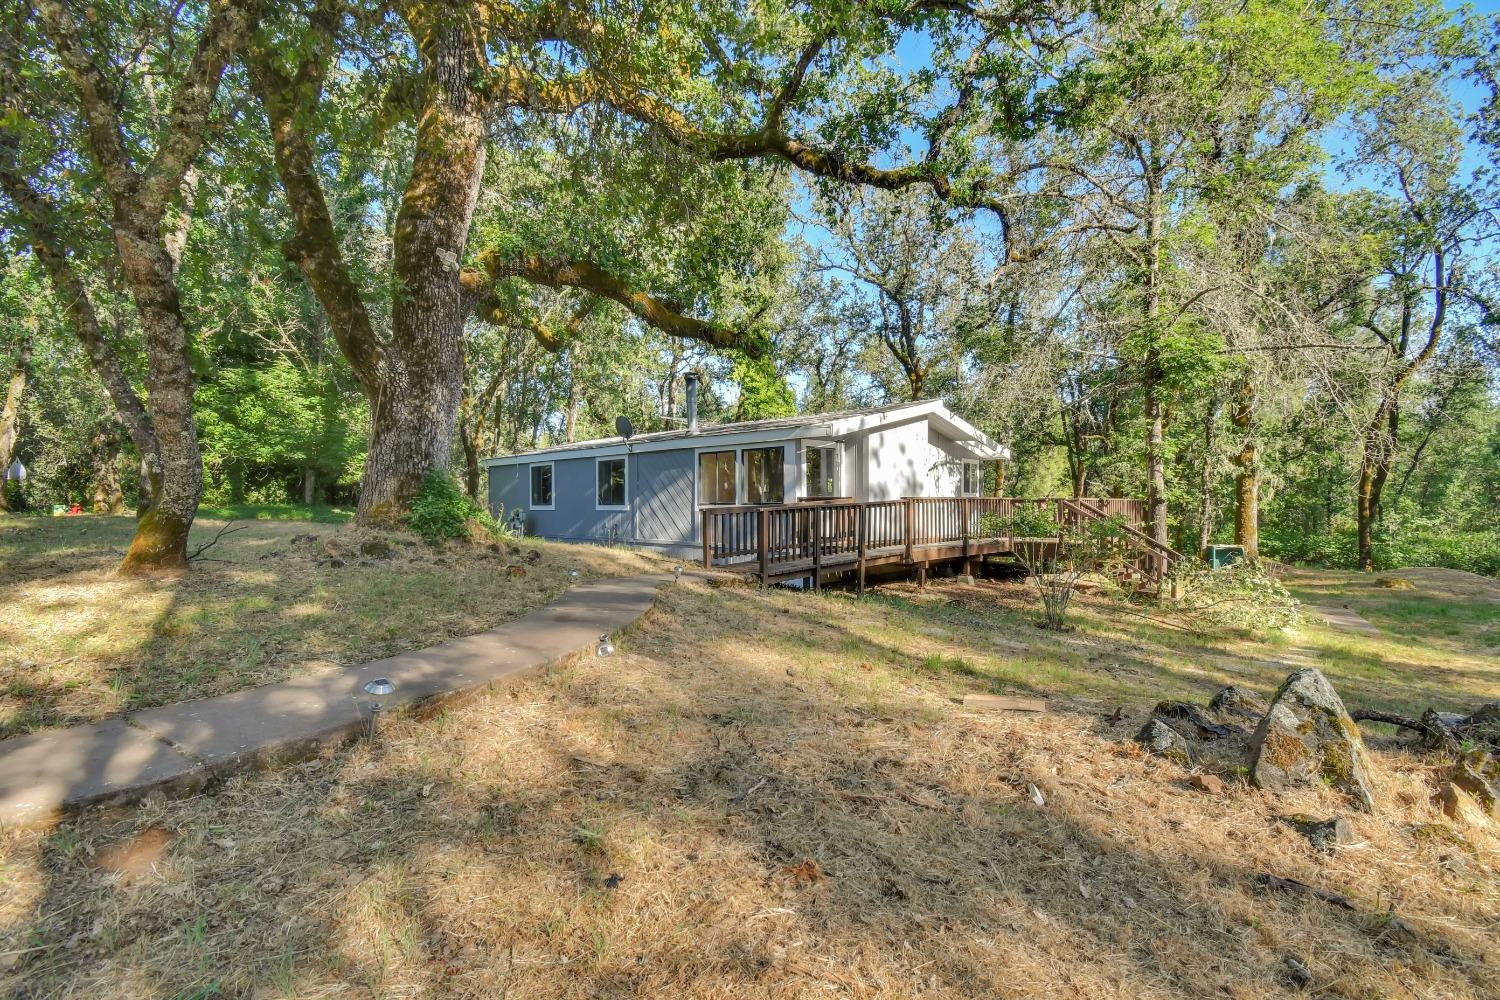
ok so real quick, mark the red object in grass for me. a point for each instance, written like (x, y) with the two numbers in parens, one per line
(75, 510)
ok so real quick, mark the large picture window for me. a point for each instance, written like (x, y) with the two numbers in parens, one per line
(610, 473)
(764, 475)
(821, 467)
(973, 480)
(716, 477)
(541, 486)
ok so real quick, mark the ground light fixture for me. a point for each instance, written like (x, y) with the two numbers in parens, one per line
(380, 687)
(677, 571)
(605, 646)
(572, 574)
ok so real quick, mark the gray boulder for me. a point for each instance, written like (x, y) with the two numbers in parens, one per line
(1166, 742)
(1307, 738)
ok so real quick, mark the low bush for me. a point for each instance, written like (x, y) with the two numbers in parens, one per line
(442, 511)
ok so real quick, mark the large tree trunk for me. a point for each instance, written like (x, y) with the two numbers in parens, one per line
(10, 416)
(415, 383)
(1246, 472)
(416, 414)
(161, 534)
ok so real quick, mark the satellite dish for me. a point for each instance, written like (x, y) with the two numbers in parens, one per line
(624, 427)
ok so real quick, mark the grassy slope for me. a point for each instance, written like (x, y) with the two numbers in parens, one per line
(79, 643)
(774, 794)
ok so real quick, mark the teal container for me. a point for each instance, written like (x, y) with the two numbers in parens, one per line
(1219, 556)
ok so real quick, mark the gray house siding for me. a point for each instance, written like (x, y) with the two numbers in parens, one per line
(661, 488)
(662, 509)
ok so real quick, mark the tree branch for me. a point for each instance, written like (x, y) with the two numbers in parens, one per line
(589, 277)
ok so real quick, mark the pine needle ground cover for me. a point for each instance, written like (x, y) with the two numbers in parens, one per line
(271, 601)
(776, 794)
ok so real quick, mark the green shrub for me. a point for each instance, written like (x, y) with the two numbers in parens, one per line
(442, 511)
(1240, 595)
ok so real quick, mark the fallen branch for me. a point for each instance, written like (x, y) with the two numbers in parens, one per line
(1154, 621)
(226, 530)
(1268, 881)
(1436, 735)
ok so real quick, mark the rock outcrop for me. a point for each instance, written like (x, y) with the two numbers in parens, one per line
(1308, 738)
(1235, 703)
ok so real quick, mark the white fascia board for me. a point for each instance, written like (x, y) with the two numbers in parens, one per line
(688, 442)
(844, 426)
(971, 438)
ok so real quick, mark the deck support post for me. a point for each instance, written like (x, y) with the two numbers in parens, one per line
(963, 518)
(921, 575)
(910, 525)
(861, 528)
(762, 530)
(817, 547)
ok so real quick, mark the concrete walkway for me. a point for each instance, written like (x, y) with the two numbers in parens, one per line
(180, 748)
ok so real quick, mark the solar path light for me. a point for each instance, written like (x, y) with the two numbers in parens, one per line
(606, 647)
(380, 687)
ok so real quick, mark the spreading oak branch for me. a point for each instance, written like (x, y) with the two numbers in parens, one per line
(590, 277)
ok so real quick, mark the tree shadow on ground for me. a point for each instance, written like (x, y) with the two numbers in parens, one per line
(702, 815)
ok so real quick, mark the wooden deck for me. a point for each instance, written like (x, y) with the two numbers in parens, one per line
(813, 539)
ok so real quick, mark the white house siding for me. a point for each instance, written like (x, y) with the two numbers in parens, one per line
(907, 460)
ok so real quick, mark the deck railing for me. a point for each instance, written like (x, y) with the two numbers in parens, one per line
(784, 540)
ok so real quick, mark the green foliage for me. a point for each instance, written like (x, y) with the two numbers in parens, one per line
(1029, 521)
(764, 393)
(442, 511)
(1240, 595)
(268, 424)
(1429, 543)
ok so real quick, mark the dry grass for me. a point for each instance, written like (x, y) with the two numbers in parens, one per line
(763, 795)
(79, 643)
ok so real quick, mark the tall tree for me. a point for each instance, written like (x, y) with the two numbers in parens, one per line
(705, 81)
(143, 145)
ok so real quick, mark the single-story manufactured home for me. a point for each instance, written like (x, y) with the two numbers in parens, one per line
(651, 489)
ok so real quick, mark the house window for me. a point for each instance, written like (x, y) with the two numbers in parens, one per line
(541, 486)
(610, 476)
(716, 477)
(820, 464)
(764, 475)
(973, 481)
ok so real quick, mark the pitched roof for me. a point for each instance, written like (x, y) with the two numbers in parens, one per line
(771, 429)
